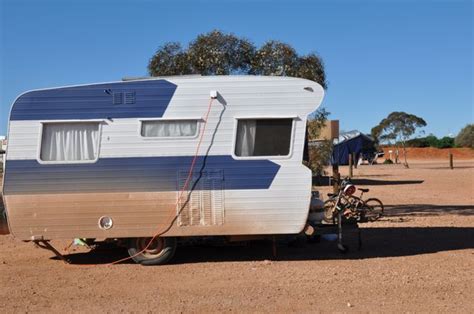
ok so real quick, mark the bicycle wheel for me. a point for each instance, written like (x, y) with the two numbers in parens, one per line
(329, 211)
(374, 209)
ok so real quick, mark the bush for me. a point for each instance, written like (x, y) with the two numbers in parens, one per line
(445, 142)
(319, 157)
(431, 141)
(388, 162)
(418, 142)
(465, 137)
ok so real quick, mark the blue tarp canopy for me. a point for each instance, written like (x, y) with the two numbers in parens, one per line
(353, 142)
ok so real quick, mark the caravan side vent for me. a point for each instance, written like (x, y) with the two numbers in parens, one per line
(204, 206)
(117, 98)
(129, 98)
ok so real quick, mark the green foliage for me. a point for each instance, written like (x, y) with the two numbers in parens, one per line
(418, 142)
(170, 59)
(319, 157)
(275, 58)
(375, 133)
(311, 67)
(465, 138)
(316, 122)
(431, 141)
(446, 142)
(217, 53)
(388, 162)
(398, 127)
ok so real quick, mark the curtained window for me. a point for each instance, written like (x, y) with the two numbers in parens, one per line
(169, 128)
(70, 141)
(263, 137)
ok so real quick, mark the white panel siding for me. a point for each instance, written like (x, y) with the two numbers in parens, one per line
(282, 208)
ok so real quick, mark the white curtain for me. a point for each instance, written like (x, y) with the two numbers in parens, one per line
(69, 141)
(246, 130)
(175, 128)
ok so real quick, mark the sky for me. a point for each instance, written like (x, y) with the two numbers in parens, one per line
(380, 56)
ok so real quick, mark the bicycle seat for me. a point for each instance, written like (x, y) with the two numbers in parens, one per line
(364, 190)
(331, 194)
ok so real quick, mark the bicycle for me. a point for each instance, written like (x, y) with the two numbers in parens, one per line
(355, 208)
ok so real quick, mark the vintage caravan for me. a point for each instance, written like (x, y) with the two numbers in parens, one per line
(173, 156)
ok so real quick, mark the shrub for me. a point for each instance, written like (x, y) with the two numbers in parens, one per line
(465, 137)
(445, 142)
(319, 157)
(388, 162)
(431, 141)
(418, 142)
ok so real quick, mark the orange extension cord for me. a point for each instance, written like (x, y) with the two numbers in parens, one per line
(185, 186)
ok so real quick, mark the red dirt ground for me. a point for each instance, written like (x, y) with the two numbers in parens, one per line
(432, 153)
(419, 258)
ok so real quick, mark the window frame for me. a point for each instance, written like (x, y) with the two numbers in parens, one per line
(292, 136)
(62, 162)
(160, 138)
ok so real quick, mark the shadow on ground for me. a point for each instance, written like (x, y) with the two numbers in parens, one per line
(427, 210)
(326, 181)
(384, 182)
(377, 242)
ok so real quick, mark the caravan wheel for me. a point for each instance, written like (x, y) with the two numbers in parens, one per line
(159, 252)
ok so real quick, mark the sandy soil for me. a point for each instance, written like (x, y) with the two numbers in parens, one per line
(420, 257)
(432, 153)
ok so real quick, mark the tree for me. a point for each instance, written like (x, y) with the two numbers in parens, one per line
(445, 142)
(316, 122)
(465, 138)
(311, 67)
(170, 59)
(217, 53)
(320, 155)
(431, 141)
(398, 127)
(275, 58)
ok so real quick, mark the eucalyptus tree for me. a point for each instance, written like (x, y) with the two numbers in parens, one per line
(218, 53)
(398, 126)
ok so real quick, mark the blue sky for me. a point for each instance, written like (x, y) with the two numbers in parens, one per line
(380, 56)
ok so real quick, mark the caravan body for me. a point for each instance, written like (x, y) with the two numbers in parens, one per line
(122, 151)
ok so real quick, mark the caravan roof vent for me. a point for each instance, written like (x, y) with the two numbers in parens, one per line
(117, 98)
(129, 98)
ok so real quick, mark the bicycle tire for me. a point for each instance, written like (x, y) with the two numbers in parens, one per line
(329, 210)
(375, 208)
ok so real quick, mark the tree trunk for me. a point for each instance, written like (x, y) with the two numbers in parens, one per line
(405, 155)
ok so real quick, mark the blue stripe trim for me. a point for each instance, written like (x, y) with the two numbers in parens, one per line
(140, 174)
(151, 98)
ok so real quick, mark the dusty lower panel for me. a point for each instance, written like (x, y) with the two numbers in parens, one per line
(55, 216)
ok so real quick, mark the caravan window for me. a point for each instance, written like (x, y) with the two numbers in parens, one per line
(70, 141)
(263, 137)
(169, 128)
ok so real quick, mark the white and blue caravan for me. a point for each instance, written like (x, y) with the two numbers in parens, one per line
(108, 161)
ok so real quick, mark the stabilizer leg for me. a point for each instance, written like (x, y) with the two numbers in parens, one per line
(47, 246)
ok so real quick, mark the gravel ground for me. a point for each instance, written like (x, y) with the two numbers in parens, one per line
(420, 257)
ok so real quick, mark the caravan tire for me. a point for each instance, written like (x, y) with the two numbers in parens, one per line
(159, 252)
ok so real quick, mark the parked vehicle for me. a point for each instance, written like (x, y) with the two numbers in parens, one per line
(174, 157)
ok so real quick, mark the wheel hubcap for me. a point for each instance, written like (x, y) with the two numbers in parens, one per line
(154, 249)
